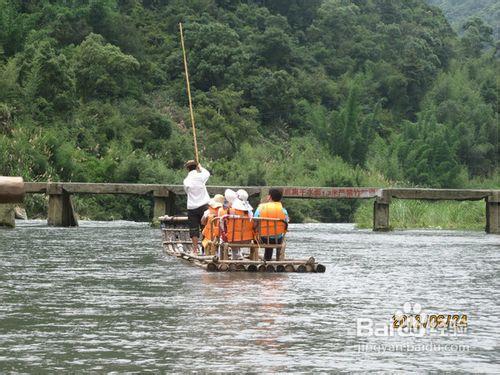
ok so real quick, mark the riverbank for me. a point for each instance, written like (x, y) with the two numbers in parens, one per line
(409, 214)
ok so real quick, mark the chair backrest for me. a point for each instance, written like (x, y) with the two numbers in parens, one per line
(175, 228)
(240, 229)
(211, 230)
(267, 229)
(237, 229)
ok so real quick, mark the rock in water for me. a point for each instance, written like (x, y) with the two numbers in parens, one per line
(20, 213)
(7, 216)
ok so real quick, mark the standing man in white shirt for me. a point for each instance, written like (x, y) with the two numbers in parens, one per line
(197, 198)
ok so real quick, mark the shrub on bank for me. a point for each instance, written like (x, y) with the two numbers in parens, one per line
(406, 214)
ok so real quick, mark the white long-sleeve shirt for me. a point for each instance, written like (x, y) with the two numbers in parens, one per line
(194, 186)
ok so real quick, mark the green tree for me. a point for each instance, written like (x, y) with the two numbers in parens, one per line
(477, 36)
(429, 156)
(351, 135)
(14, 27)
(226, 122)
(50, 84)
(456, 101)
(214, 53)
(273, 93)
(103, 71)
(274, 48)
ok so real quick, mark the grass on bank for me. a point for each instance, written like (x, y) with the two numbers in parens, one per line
(406, 214)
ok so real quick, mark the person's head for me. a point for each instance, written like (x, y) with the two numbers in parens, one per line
(190, 165)
(275, 195)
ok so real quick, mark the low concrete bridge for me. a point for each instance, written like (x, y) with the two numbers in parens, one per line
(61, 211)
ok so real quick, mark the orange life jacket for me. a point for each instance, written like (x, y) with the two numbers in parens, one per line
(211, 229)
(272, 210)
(237, 229)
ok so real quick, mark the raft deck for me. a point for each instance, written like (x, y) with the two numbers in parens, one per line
(176, 242)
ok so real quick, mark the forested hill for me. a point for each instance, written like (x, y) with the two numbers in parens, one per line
(460, 11)
(288, 92)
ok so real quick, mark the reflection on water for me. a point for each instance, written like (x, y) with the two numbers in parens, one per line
(104, 297)
(248, 313)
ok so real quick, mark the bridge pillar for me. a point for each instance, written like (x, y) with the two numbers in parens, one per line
(381, 213)
(7, 218)
(159, 207)
(163, 204)
(61, 210)
(493, 214)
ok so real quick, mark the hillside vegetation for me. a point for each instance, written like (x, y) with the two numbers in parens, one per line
(295, 92)
(461, 11)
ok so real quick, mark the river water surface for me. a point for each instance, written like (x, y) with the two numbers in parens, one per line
(104, 297)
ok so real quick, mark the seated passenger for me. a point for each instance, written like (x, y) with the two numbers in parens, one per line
(237, 230)
(271, 233)
(229, 197)
(214, 206)
(211, 229)
(243, 197)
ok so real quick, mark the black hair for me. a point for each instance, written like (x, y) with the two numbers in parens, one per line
(191, 167)
(276, 194)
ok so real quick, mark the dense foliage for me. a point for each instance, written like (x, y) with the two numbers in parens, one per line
(460, 11)
(295, 92)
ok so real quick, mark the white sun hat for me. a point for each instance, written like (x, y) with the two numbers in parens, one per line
(238, 204)
(217, 201)
(230, 195)
(243, 195)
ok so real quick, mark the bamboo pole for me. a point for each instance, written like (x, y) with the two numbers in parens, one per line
(280, 268)
(300, 268)
(270, 268)
(11, 189)
(309, 267)
(251, 268)
(211, 267)
(223, 267)
(289, 268)
(320, 268)
(191, 113)
(236, 267)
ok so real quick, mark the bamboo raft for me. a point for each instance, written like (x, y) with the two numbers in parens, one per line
(176, 242)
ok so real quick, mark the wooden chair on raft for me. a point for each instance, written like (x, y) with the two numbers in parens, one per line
(211, 244)
(254, 233)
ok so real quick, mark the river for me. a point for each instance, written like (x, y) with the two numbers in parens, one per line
(104, 297)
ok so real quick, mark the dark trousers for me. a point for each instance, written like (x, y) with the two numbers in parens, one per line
(194, 218)
(268, 252)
